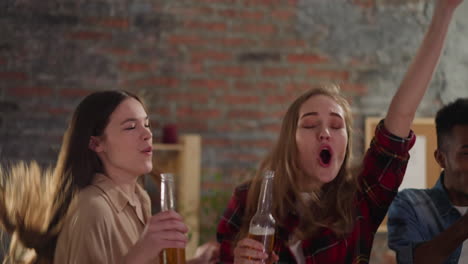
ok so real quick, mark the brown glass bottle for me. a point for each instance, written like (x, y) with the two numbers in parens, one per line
(262, 224)
(169, 255)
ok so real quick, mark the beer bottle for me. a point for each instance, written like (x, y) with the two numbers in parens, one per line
(262, 224)
(169, 255)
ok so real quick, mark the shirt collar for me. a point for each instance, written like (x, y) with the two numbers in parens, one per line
(117, 197)
(442, 199)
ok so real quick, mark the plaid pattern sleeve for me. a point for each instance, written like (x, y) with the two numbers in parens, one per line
(383, 168)
(231, 222)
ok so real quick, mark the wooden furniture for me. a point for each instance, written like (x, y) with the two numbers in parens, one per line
(184, 161)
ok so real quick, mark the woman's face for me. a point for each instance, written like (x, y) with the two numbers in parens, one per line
(125, 148)
(321, 139)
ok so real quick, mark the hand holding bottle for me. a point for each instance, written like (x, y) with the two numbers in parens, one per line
(163, 230)
(251, 251)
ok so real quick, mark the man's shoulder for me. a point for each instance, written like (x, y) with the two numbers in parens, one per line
(416, 197)
(410, 192)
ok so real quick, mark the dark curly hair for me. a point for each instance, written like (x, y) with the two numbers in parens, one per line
(452, 114)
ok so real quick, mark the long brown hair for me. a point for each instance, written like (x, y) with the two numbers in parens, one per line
(332, 206)
(33, 203)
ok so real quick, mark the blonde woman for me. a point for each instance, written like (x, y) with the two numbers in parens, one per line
(324, 212)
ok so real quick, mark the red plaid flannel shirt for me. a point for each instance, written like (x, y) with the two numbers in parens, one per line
(384, 166)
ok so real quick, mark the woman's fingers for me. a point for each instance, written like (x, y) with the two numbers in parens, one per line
(168, 225)
(166, 215)
(249, 251)
(248, 242)
(274, 257)
(169, 236)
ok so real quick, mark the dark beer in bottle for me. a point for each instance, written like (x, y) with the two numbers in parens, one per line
(169, 255)
(262, 224)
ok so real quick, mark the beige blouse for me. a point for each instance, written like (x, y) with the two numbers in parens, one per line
(103, 225)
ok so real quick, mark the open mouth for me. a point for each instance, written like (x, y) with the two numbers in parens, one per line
(325, 157)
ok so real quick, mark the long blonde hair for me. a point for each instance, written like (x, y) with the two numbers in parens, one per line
(34, 203)
(332, 206)
(29, 199)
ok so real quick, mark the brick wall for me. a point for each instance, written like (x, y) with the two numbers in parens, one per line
(226, 69)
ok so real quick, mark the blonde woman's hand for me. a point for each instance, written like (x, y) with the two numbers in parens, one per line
(249, 251)
(163, 230)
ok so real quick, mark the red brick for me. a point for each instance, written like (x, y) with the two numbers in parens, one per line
(210, 84)
(354, 87)
(245, 114)
(14, 76)
(297, 43)
(188, 97)
(213, 26)
(239, 99)
(231, 71)
(298, 87)
(188, 112)
(89, 35)
(160, 111)
(217, 1)
(257, 143)
(241, 14)
(192, 67)
(280, 114)
(58, 111)
(243, 157)
(3, 61)
(110, 22)
(154, 124)
(217, 142)
(185, 12)
(307, 58)
(117, 51)
(133, 66)
(283, 14)
(329, 74)
(74, 92)
(232, 42)
(211, 55)
(248, 86)
(50, 110)
(364, 3)
(198, 125)
(279, 99)
(255, 28)
(29, 91)
(186, 40)
(155, 81)
(284, 43)
(275, 128)
(292, 3)
(224, 127)
(280, 71)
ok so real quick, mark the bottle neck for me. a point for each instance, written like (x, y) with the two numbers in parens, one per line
(265, 198)
(167, 192)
